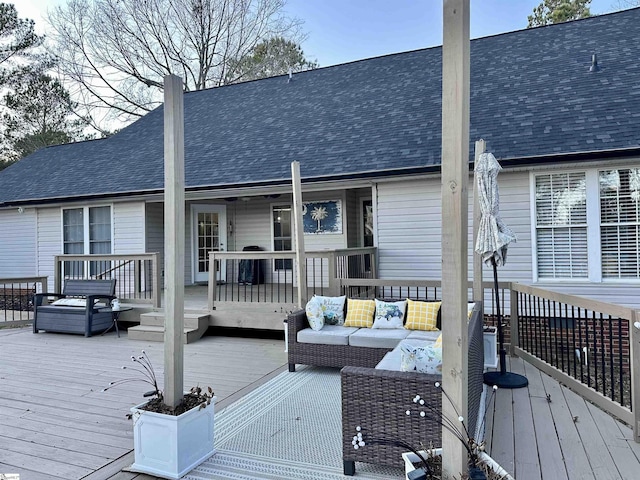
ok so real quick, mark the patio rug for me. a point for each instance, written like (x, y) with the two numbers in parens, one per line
(288, 428)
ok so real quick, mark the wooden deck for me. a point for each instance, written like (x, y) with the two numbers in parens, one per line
(56, 423)
(548, 432)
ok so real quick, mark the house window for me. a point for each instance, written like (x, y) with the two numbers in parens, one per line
(282, 235)
(561, 225)
(86, 229)
(620, 222)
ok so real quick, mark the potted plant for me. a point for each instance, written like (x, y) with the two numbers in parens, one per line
(169, 442)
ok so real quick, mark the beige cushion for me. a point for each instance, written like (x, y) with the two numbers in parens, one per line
(329, 335)
(377, 338)
(424, 335)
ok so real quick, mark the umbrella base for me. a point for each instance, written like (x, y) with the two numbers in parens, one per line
(505, 380)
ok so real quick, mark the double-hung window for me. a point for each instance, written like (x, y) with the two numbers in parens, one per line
(86, 230)
(620, 222)
(587, 224)
(561, 225)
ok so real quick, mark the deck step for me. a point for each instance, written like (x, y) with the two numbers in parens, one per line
(151, 327)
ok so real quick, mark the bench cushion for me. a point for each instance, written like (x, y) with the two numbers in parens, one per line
(329, 335)
(377, 338)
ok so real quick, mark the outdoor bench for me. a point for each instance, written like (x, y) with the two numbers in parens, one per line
(82, 308)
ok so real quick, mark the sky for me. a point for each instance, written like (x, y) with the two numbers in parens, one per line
(341, 31)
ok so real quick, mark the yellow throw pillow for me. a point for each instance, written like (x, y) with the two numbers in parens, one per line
(422, 315)
(360, 313)
(438, 342)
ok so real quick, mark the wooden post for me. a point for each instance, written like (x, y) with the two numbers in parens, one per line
(455, 226)
(478, 291)
(301, 259)
(212, 284)
(156, 279)
(174, 242)
(634, 354)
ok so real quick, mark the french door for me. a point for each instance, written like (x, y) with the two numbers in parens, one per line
(209, 227)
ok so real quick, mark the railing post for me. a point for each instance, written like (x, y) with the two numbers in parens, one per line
(57, 275)
(513, 311)
(211, 290)
(634, 354)
(374, 263)
(333, 277)
(156, 279)
(136, 278)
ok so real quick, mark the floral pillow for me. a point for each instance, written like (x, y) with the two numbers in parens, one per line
(315, 315)
(333, 309)
(389, 314)
(426, 359)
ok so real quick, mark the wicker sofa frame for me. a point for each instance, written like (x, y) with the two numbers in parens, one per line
(376, 400)
(322, 355)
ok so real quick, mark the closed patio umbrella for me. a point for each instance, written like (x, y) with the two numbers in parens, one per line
(493, 239)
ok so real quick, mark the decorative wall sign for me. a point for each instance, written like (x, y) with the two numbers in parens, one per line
(324, 217)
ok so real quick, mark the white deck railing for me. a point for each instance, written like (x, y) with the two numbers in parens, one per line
(16, 298)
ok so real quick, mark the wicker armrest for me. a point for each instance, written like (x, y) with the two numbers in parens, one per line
(377, 401)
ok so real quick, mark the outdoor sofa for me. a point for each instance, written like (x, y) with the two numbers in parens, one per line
(376, 400)
(320, 352)
(83, 307)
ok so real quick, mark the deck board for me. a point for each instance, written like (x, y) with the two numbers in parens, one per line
(594, 446)
(527, 466)
(55, 421)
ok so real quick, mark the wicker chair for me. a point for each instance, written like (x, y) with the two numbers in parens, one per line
(376, 400)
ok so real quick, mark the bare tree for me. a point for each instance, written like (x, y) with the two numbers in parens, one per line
(115, 53)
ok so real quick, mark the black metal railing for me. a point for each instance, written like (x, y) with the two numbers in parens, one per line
(16, 298)
(589, 343)
(137, 275)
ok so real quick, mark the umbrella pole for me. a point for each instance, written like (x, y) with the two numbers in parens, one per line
(502, 378)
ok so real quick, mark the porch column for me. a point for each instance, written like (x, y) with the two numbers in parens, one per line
(174, 218)
(301, 259)
(455, 179)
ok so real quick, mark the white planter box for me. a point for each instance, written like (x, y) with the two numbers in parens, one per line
(490, 347)
(411, 457)
(168, 446)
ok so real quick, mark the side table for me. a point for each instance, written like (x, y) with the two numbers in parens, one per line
(115, 315)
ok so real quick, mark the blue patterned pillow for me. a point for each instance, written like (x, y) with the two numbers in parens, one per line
(389, 314)
(426, 359)
(315, 315)
(333, 309)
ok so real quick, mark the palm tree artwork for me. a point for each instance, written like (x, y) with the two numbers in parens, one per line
(318, 214)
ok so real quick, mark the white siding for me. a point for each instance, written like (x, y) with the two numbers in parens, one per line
(409, 238)
(128, 228)
(18, 243)
(49, 225)
(154, 230)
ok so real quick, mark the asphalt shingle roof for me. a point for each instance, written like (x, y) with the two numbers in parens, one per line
(531, 95)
